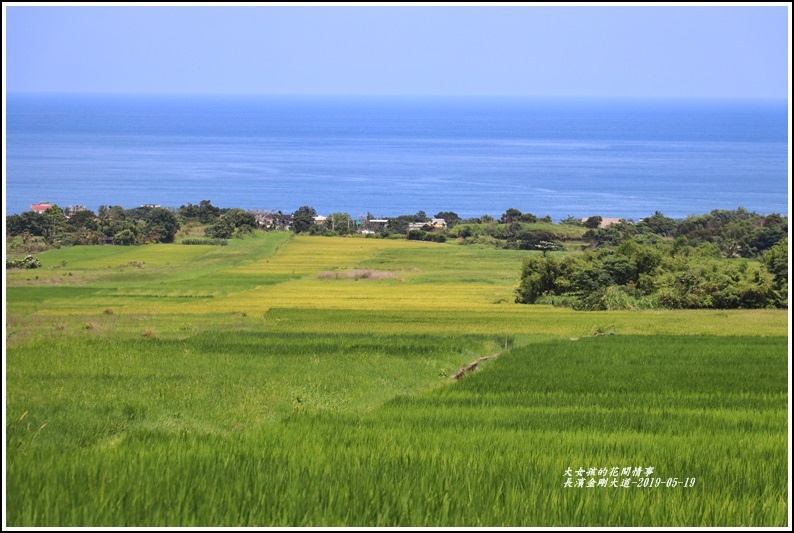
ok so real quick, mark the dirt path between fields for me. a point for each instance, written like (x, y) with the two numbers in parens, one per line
(471, 367)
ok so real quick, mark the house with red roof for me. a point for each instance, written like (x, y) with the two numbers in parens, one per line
(41, 207)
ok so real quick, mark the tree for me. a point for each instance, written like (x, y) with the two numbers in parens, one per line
(82, 220)
(124, 237)
(82, 228)
(154, 224)
(670, 275)
(593, 222)
(538, 277)
(241, 221)
(416, 235)
(111, 212)
(531, 239)
(450, 217)
(548, 246)
(221, 229)
(52, 224)
(614, 234)
(776, 261)
(399, 224)
(14, 225)
(658, 224)
(207, 212)
(303, 219)
(511, 215)
(161, 224)
(29, 222)
(189, 211)
(738, 233)
(341, 223)
(234, 222)
(570, 220)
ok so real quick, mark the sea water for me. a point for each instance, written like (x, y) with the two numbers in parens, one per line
(393, 156)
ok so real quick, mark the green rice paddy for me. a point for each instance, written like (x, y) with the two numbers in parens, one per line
(169, 385)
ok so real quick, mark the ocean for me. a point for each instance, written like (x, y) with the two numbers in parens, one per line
(394, 156)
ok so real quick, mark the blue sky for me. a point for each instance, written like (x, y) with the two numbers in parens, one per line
(565, 51)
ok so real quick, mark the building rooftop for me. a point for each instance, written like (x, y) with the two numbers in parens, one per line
(41, 206)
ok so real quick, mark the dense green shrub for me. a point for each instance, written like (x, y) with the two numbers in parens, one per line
(221, 229)
(204, 213)
(419, 235)
(641, 276)
(215, 242)
(28, 261)
(124, 237)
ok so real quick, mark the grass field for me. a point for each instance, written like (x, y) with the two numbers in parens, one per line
(170, 385)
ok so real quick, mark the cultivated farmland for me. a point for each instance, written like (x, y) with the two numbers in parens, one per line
(277, 381)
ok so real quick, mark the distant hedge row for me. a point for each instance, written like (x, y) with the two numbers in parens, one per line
(419, 235)
(214, 242)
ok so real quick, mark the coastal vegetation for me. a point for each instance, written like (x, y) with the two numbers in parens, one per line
(669, 275)
(657, 262)
(297, 380)
(734, 233)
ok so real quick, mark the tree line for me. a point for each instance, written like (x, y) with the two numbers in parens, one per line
(112, 224)
(736, 233)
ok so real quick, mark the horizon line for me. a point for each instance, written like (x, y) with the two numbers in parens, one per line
(394, 95)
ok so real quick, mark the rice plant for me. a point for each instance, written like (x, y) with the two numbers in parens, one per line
(233, 386)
